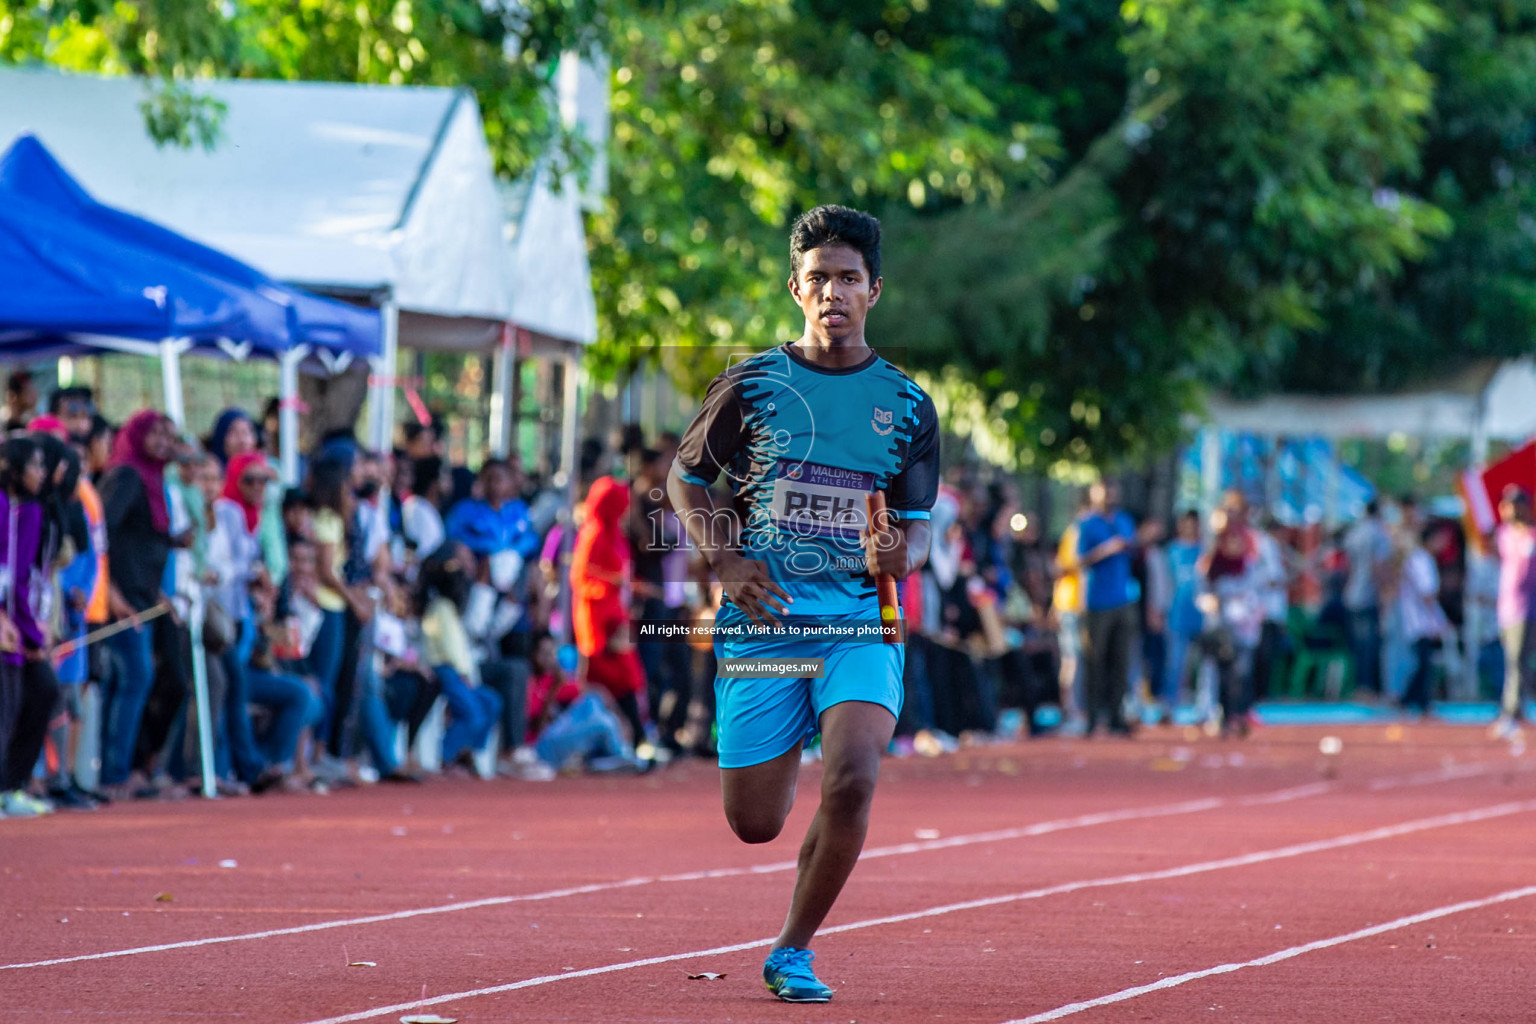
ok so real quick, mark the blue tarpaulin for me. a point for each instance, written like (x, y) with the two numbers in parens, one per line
(70, 265)
(1307, 472)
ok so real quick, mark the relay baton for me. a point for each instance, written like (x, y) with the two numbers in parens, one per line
(885, 583)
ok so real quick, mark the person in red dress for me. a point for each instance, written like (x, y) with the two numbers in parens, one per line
(600, 585)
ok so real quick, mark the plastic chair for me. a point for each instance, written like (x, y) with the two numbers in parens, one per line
(1323, 652)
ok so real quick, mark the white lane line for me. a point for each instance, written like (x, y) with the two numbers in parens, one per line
(1263, 856)
(1037, 829)
(1274, 958)
(1284, 795)
(1026, 831)
(1449, 772)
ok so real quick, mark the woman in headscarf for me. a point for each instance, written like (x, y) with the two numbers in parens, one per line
(600, 579)
(139, 543)
(243, 585)
(1232, 602)
(28, 693)
(235, 434)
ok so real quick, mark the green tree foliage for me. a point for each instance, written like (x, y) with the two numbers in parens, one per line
(505, 52)
(1097, 210)
(1474, 292)
(731, 116)
(1234, 215)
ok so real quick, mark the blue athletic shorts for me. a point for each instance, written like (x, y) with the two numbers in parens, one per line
(762, 718)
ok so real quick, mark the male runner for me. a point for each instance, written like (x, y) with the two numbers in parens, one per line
(804, 432)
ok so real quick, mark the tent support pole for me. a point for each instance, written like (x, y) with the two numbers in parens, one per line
(175, 407)
(170, 380)
(1335, 486)
(288, 412)
(200, 697)
(1210, 471)
(1472, 625)
(568, 466)
(501, 392)
(381, 392)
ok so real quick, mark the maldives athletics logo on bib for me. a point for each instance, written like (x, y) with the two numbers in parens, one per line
(811, 500)
(883, 421)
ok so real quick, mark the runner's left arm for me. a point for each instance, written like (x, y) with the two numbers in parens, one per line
(900, 546)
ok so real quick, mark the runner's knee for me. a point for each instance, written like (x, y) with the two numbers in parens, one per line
(847, 791)
(755, 825)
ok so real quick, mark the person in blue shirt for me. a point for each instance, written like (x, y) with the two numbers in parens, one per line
(1106, 539)
(804, 432)
(1185, 620)
(497, 521)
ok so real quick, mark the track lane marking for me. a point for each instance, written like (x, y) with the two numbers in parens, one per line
(1183, 871)
(1273, 958)
(874, 853)
(1037, 829)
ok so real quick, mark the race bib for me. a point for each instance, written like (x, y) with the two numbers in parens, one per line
(820, 501)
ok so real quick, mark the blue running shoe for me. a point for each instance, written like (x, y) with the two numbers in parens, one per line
(788, 975)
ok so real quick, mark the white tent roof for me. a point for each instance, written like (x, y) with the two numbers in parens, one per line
(1498, 398)
(331, 186)
(546, 241)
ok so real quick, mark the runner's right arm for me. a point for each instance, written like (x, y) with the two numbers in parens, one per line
(707, 447)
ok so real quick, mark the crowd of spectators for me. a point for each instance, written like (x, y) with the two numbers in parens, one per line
(1121, 622)
(334, 617)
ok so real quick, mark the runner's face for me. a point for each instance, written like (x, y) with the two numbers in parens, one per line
(834, 291)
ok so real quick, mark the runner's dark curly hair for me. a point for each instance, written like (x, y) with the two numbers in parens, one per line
(835, 225)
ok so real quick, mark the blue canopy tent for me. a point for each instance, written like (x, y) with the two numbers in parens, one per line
(91, 276)
(77, 276)
(64, 278)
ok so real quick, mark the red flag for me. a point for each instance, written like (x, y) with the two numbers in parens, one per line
(1481, 489)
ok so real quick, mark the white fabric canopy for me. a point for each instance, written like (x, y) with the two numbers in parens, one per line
(1496, 400)
(336, 187)
(547, 242)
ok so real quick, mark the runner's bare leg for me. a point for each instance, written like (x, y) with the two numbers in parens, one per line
(758, 797)
(854, 735)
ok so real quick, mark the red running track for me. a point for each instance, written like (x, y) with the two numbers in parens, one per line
(1162, 879)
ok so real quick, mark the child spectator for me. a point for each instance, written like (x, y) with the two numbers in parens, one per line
(550, 690)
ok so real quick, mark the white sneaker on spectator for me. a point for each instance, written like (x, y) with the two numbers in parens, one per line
(21, 804)
(1505, 727)
(536, 771)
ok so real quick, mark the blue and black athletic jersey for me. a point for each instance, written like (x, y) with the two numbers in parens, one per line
(801, 446)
